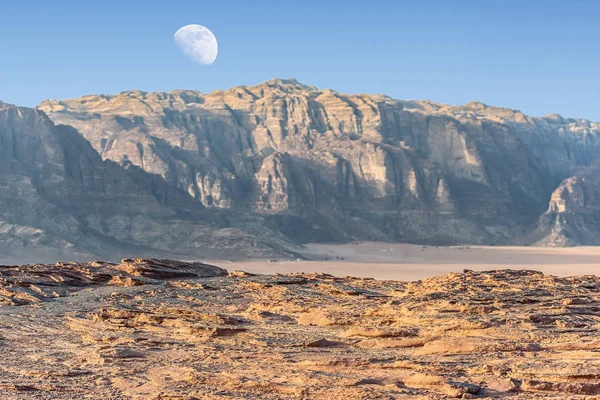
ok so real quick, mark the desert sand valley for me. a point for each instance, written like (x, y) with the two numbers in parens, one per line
(412, 262)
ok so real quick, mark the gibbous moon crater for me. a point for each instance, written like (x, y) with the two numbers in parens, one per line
(198, 43)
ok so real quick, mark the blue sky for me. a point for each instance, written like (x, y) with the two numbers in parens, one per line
(536, 56)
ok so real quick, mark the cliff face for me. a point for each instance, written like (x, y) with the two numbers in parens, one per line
(573, 217)
(350, 166)
(60, 199)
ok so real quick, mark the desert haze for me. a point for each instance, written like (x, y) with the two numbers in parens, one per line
(413, 262)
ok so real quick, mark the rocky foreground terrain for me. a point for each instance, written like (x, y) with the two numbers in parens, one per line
(160, 329)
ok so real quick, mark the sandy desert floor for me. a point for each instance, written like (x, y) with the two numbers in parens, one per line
(413, 262)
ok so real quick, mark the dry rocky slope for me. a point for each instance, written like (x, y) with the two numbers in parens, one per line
(318, 165)
(159, 329)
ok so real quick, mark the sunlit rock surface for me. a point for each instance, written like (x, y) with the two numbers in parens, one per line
(160, 329)
(350, 166)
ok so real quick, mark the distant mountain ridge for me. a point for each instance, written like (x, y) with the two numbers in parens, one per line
(282, 162)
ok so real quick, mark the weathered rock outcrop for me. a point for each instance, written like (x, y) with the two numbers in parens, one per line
(26, 284)
(350, 166)
(60, 199)
(506, 334)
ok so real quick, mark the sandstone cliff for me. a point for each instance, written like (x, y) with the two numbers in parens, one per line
(60, 199)
(573, 217)
(345, 166)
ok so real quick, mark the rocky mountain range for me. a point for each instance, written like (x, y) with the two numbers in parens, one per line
(60, 200)
(256, 169)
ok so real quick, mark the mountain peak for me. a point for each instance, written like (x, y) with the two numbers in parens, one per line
(23, 112)
(555, 118)
(477, 105)
(4, 106)
(282, 81)
(288, 82)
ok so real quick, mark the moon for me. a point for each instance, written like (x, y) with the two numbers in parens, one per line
(198, 43)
